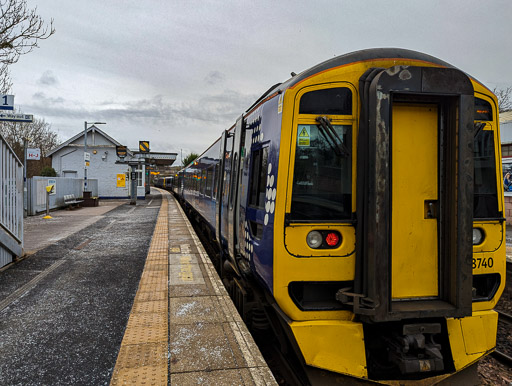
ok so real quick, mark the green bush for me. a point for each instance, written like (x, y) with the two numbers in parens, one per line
(48, 171)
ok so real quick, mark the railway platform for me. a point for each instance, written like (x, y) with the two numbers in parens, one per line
(121, 294)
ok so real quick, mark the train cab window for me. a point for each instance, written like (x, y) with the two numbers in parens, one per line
(483, 110)
(329, 101)
(485, 201)
(259, 166)
(322, 176)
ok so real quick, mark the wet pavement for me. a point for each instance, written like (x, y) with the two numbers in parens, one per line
(63, 310)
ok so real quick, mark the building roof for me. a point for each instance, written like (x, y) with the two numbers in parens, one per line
(81, 134)
(506, 117)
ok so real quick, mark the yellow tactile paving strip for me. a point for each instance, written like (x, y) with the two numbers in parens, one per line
(142, 358)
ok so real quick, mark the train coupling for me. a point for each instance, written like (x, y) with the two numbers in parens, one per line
(415, 351)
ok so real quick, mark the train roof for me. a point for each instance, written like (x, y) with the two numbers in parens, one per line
(354, 57)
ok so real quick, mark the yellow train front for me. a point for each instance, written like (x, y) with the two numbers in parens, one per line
(357, 209)
(388, 229)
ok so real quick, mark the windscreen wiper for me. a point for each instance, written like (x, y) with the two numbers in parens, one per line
(478, 127)
(332, 138)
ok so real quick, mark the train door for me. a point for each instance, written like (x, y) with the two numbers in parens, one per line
(234, 191)
(414, 181)
(221, 201)
(414, 194)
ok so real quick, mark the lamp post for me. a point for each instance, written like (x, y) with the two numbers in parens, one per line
(85, 149)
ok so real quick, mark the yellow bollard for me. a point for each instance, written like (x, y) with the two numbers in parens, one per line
(49, 190)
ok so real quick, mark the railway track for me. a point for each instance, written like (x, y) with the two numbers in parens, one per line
(498, 354)
(504, 317)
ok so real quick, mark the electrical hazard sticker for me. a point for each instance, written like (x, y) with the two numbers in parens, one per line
(304, 136)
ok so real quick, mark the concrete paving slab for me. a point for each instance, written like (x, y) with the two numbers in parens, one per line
(229, 377)
(201, 309)
(176, 291)
(199, 347)
(185, 274)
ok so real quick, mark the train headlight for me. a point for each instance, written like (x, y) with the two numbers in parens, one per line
(478, 236)
(314, 239)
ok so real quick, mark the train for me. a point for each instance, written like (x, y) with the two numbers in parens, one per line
(356, 211)
(164, 182)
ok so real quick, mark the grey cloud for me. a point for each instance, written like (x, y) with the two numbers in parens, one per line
(225, 107)
(48, 79)
(214, 78)
(41, 97)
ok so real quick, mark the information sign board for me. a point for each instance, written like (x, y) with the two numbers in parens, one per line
(121, 151)
(34, 154)
(54, 183)
(16, 117)
(144, 146)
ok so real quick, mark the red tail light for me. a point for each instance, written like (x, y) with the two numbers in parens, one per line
(332, 239)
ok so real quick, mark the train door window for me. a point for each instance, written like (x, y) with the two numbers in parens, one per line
(485, 203)
(259, 166)
(209, 181)
(203, 181)
(215, 180)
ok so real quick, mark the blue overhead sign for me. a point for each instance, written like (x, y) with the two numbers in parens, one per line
(6, 102)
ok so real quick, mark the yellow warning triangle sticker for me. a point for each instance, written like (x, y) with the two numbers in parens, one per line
(304, 133)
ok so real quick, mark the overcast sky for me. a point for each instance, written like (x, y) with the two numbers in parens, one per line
(178, 72)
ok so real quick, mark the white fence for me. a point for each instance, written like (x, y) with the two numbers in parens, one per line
(11, 204)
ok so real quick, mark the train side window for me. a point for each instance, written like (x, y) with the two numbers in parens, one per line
(209, 181)
(259, 166)
(329, 101)
(485, 199)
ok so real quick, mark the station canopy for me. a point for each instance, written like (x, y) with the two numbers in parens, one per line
(156, 158)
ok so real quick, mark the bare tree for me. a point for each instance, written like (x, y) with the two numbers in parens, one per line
(20, 30)
(504, 96)
(38, 133)
(5, 79)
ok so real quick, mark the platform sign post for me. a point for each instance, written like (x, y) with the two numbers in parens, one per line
(133, 178)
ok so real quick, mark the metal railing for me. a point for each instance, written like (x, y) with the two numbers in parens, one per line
(11, 204)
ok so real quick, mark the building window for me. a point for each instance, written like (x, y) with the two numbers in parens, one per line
(140, 180)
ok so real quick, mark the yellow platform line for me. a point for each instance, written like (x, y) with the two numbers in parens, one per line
(143, 355)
